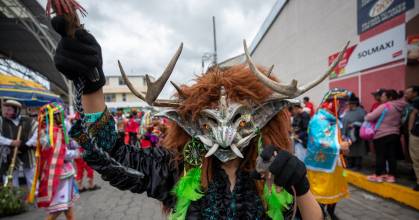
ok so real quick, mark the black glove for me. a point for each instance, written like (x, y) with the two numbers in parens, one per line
(287, 170)
(79, 57)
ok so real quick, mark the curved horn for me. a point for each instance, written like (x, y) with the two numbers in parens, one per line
(179, 90)
(291, 90)
(154, 88)
(279, 87)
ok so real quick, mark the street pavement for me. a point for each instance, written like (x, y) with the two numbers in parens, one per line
(110, 203)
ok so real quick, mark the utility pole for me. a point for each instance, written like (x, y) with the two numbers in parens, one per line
(215, 40)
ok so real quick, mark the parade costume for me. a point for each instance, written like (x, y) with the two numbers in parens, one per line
(228, 116)
(324, 160)
(57, 189)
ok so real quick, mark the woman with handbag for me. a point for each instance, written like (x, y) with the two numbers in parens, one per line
(387, 135)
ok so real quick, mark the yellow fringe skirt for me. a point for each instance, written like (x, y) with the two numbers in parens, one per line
(328, 188)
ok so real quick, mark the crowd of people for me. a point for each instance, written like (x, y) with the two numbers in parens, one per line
(395, 121)
(140, 128)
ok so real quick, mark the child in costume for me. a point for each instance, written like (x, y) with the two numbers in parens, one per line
(220, 126)
(57, 190)
(325, 143)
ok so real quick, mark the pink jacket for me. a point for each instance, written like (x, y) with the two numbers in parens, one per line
(392, 119)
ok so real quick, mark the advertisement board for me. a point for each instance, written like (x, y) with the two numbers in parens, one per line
(383, 48)
(374, 12)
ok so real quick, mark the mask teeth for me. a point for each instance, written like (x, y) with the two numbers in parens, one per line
(205, 140)
(236, 150)
(246, 139)
(212, 150)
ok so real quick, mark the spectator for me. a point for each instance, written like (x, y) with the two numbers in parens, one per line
(387, 136)
(120, 123)
(377, 97)
(414, 139)
(132, 129)
(410, 94)
(9, 126)
(309, 105)
(352, 121)
(300, 120)
(149, 139)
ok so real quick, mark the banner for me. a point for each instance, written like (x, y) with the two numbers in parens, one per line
(374, 12)
(383, 48)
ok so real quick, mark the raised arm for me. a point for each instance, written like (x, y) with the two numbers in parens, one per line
(123, 166)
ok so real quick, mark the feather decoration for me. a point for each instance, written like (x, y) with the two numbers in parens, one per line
(187, 189)
(277, 202)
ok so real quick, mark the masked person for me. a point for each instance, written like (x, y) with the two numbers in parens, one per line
(9, 125)
(57, 189)
(220, 125)
(325, 143)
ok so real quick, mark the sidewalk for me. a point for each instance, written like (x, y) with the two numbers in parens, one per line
(110, 203)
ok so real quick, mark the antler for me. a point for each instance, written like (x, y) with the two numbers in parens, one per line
(154, 88)
(289, 90)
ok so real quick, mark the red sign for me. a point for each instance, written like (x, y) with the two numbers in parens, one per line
(339, 69)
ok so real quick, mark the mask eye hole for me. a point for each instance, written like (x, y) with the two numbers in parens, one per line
(212, 120)
(205, 126)
(237, 117)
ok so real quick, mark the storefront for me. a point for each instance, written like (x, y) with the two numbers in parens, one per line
(303, 37)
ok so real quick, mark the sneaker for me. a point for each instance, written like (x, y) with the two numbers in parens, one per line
(389, 178)
(375, 178)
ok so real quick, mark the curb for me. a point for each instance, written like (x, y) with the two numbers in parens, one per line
(393, 191)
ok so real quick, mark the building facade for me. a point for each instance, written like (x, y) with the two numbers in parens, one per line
(301, 38)
(118, 95)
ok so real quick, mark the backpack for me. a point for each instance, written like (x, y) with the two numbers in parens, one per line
(368, 129)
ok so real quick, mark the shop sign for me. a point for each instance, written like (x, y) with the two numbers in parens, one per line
(386, 47)
(374, 12)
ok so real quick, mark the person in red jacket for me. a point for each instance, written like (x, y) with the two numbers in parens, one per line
(132, 129)
(309, 105)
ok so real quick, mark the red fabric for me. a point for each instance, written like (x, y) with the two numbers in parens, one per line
(132, 126)
(46, 192)
(145, 144)
(310, 106)
(81, 166)
(374, 106)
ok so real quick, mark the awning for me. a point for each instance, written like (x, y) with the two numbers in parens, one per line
(29, 93)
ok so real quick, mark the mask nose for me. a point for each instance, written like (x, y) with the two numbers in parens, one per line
(225, 135)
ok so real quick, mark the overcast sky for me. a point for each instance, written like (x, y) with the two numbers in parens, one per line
(145, 34)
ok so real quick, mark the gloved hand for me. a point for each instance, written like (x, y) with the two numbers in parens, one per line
(287, 169)
(79, 57)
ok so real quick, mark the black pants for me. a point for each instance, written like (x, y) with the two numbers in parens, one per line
(386, 151)
(133, 138)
